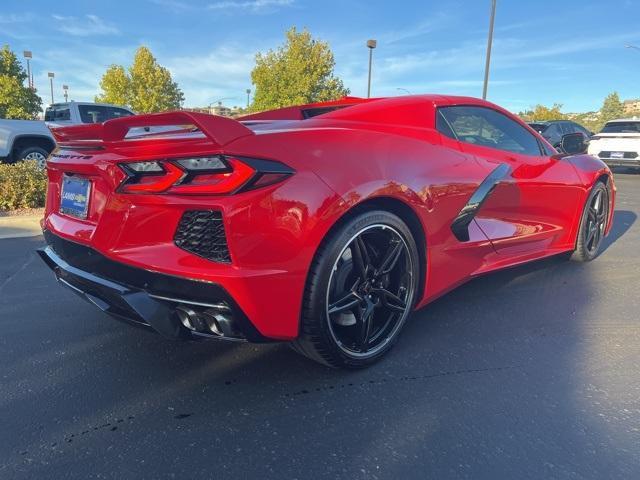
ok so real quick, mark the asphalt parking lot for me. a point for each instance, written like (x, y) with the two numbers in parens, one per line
(528, 373)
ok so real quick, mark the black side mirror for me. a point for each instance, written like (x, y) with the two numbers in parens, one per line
(573, 143)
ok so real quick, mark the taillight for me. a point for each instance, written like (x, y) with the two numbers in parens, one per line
(213, 175)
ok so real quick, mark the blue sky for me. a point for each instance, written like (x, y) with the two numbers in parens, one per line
(545, 51)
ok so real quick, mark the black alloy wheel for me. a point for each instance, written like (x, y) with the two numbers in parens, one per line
(593, 225)
(360, 292)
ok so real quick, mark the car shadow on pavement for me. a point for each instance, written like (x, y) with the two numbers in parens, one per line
(622, 222)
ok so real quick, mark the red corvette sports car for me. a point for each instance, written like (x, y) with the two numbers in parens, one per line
(324, 225)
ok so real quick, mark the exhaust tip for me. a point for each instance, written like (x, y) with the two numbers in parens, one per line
(216, 321)
(189, 318)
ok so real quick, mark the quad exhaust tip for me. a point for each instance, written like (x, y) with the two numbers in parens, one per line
(211, 321)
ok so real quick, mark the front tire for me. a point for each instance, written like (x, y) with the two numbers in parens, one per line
(593, 224)
(361, 287)
(37, 154)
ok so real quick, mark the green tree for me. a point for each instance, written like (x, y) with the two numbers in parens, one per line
(300, 71)
(541, 113)
(145, 87)
(612, 108)
(116, 86)
(16, 100)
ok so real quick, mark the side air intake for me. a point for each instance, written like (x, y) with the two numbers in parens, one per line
(201, 232)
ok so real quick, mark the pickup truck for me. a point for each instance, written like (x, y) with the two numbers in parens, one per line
(32, 139)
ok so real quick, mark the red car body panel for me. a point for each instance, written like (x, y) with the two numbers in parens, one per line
(382, 151)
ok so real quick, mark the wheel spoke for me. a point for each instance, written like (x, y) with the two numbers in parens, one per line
(390, 300)
(590, 236)
(360, 256)
(390, 258)
(364, 319)
(347, 302)
(597, 236)
(596, 201)
(601, 217)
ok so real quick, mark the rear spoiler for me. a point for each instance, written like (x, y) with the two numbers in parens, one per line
(219, 130)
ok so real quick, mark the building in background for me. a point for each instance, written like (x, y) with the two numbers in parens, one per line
(218, 109)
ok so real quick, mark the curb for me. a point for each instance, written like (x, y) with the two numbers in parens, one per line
(20, 226)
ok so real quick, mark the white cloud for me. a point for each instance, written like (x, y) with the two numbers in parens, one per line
(84, 26)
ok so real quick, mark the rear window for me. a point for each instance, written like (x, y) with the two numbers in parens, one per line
(92, 113)
(115, 112)
(57, 114)
(621, 127)
(314, 112)
(539, 127)
(101, 113)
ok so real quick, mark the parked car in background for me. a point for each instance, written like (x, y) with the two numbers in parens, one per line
(553, 130)
(618, 144)
(32, 140)
(73, 113)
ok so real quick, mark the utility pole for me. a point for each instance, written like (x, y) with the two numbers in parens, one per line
(51, 75)
(371, 44)
(248, 94)
(489, 43)
(28, 55)
(65, 89)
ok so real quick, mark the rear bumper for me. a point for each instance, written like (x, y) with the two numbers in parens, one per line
(145, 298)
(617, 162)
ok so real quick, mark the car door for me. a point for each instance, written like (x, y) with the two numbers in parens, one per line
(534, 199)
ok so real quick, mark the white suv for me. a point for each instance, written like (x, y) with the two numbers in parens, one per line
(618, 144)
(32, 140)
(74, 113)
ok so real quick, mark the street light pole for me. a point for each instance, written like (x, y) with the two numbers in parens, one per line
(65, 88)
(28, 55)
(248, 94)
(489, 44)
(51, 75)
(371, 44)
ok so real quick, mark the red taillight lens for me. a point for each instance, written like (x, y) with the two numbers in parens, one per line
(153, 181)
(217, 183)
(215, 175)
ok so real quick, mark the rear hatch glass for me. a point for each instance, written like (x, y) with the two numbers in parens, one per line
(621, 127)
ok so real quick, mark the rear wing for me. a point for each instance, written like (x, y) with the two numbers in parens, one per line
(166, 126)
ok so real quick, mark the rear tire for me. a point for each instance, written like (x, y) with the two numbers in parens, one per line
(360, 290)
(593, 224)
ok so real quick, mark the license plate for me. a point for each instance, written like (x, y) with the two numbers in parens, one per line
(617, 154)
(74, 196)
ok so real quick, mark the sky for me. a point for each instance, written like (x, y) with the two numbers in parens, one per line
(545, 51)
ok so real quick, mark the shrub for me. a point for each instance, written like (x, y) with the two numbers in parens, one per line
(22, 185)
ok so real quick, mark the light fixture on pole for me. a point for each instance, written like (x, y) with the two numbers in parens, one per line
(404, 90)
(28, 55)
(371, 44)
(489, 44)
(65, 88)
(248, 95)
(51, 75)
